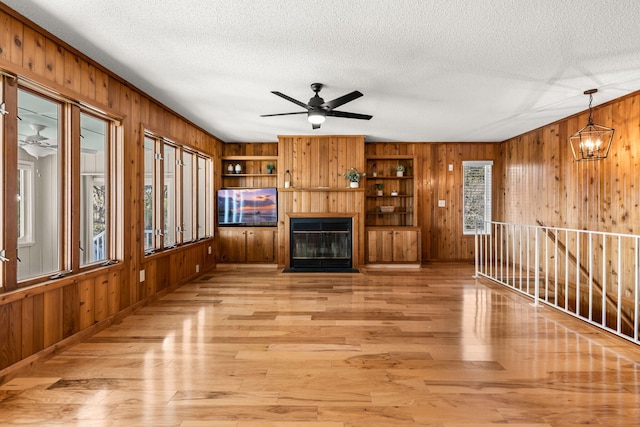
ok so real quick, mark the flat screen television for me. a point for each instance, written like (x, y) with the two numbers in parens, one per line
(248, 207)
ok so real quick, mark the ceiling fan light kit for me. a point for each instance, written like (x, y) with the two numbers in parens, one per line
(318, 109)
(317, 117)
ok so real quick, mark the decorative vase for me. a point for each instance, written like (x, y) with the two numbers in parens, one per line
(238, 168)
(399, 173)
(379, 192)
(287, 179)
(230, 168)
(354, 184)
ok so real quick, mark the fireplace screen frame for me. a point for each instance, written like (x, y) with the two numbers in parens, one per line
(322, 243)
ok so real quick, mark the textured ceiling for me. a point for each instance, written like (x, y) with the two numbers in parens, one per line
(438, 70)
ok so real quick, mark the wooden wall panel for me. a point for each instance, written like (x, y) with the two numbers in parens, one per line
(9, 336)
(317, 165)
(320, 161)
(442, 237)
(70, 311)
(101, 297)
(599, 195)
(53, 315)
(35, 319)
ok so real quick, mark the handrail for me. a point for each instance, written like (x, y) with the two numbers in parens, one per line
(598, 286)
(592, 275)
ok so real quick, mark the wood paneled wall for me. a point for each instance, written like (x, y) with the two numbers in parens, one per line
(442, 237)
(317, 164)
(542, 184)
(42, 317)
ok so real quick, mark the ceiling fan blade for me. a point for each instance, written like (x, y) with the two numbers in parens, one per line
(315, 126)
(348, 115)
(288, 98)
(282, 114)
(342, 100)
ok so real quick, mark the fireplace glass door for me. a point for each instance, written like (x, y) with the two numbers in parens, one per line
(320, 243)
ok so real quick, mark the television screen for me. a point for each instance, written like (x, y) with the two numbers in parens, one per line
(256, 207)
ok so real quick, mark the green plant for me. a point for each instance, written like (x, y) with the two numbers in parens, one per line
(400, 168)
(379, 186)
(271, 166)
(353, 175)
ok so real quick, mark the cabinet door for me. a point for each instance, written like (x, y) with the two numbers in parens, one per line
(405, 246)
(231, 244)
(379, 246)
(260, 244)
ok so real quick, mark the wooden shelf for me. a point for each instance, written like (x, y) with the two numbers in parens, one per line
(243, 175)
(390, 213)
(309, 189)
(389, 196)
(240, 158)
(371, 178)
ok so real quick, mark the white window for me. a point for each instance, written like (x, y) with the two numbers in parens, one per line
(25, 203)
(476, 196)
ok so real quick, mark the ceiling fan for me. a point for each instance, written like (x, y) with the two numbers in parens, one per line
(318, 110)
(37, 145)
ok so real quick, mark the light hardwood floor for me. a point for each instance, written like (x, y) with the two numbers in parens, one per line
(429, 347)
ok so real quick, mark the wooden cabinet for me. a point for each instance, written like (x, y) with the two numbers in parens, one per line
(389, 196)
(246, 245)
(248, 171)
(393, 245)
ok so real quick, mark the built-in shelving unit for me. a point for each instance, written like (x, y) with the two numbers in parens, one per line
(395, 207)
(248, 244)
(253, 171)
(392, 233)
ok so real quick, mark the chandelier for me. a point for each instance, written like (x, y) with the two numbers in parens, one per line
(592, 142)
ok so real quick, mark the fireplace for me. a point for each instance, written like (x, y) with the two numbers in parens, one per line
(321, 245)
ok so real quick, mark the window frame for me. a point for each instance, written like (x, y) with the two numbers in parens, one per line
(158, 213)
(67, 185)
(109, 181)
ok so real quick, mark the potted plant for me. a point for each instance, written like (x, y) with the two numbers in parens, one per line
(353, 176)
(399, 170)
(379, 188)
(270, 167)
